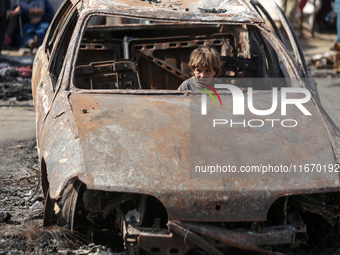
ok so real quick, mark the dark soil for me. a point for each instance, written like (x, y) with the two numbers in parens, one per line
(21, 209)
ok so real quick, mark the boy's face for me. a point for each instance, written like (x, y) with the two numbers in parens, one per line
(204, 74)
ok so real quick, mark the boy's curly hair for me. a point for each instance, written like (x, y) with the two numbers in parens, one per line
(206, 57)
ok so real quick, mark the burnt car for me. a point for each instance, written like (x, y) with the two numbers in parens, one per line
(116, 139)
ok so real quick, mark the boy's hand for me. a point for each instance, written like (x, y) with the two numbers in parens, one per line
(36, 11)
(35, 20)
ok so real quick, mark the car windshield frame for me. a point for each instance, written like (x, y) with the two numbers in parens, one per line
(286, 63)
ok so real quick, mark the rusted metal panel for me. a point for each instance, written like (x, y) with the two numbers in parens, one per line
(230, 10)
(60, 146)
(194, 238)
(141, 144)
(158, 241)
(243, 240)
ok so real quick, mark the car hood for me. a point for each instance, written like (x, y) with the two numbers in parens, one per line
(203, 10)
(140, 143)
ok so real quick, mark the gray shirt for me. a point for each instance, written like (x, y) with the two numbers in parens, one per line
(192, 84)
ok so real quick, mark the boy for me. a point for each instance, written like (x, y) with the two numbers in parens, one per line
(205, 63)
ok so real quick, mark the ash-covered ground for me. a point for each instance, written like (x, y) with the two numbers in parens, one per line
(21, 208)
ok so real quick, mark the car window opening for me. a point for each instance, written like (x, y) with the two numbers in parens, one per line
(121, 53)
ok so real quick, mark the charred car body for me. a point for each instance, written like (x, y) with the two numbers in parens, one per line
(113, 132)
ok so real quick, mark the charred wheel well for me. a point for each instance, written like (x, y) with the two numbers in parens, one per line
(106, 204)
(307, 206)
(43, 177)
(106, 215)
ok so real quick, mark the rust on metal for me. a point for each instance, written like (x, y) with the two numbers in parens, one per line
(116, 139)
(247, 240)
(235, 10)
(193, 238)
(147, 148)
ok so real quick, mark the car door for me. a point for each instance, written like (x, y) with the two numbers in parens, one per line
(49, 62)
(292, 44)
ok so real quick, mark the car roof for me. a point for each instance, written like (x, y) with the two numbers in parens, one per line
(233, 11)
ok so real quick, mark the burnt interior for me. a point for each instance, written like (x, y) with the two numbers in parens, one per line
(152, 55)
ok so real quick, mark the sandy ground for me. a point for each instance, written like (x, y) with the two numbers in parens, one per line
(329, 86)
(17, 124)
(329, 89)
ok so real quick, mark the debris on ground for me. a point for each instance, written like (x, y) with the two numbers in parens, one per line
(15, 79)
(328, 60)
(4, 216)
(323, 61)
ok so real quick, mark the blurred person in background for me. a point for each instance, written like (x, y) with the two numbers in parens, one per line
(336, 46)
(290, 8)
(34, 18)
(5, 5)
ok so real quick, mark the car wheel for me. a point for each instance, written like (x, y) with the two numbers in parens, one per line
(49, 215)
(66, 206)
